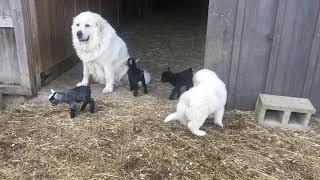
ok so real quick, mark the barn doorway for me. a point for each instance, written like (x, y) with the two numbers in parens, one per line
(162, 32)
(165, 33)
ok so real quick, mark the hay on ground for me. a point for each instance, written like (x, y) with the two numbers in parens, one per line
(126, 138)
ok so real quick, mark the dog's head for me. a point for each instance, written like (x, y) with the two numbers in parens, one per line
(89, 29)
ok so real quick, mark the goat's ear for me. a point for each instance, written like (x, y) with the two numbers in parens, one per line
(52, 91)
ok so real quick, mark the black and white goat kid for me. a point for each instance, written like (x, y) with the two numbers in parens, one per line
(178, 80)
(72, 97)
(136, 75)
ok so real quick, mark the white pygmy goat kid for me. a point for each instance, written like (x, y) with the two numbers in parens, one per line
(206, 99)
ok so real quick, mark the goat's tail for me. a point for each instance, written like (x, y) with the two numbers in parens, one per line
(147, 76)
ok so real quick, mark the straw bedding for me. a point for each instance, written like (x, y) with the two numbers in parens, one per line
(127, 139)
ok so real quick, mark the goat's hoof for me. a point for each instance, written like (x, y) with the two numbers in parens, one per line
(146, 92)
(172, 98)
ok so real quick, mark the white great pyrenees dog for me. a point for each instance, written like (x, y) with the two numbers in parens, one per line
(103, 53)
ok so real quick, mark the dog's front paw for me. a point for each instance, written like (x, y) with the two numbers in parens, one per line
(82, 83)
(107, 90)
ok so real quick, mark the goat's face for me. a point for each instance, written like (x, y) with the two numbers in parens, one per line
(52, 98)
(131, 63)
(166, 76)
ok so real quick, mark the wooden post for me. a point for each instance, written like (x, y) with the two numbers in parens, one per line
(1, 101)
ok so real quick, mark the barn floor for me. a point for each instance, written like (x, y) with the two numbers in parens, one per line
(127, 139)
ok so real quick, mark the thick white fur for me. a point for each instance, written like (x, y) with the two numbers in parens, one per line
(104, 55)
(206, 99)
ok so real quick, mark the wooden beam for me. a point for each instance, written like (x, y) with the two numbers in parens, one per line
(6, 22)
(1, 101)
(14, 90)
(56, 70)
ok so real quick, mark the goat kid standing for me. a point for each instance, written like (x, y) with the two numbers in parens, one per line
(178, 80)
(72, 97)
(136, 75)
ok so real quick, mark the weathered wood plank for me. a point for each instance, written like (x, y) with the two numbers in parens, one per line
(313, 58)
(6, 21)
(220, 34)
(295, 47)
(35, 43)
(14, 90)
(59, 68)
(259, 21)
(276, 37)
(236, 52)
(22, 43)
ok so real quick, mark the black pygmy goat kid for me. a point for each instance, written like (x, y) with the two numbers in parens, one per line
(136, 75)
(72, 97)
(178, 80)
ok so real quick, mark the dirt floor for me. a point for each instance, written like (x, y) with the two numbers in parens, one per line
(127, 139)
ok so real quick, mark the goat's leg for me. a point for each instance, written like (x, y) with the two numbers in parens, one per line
(135, 89)
(145, 88)
(92, 107)
(171, 97)
(73, 109)
(188, 87)
(130, 84)
(131, 87)
(178, 90)
(84, 105)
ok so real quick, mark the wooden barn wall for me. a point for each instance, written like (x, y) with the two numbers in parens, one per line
(265, 46)
(15, 74)
(52, 40)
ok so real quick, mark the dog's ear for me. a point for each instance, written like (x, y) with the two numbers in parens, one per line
(99, 25)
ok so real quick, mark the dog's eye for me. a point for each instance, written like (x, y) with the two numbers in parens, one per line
(87, 25)
(78, 24)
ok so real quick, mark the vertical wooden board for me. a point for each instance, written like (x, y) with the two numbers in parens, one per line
(315, 88)
(82, 5)
(9, 66)
(22, 36)
(95, 6)
(259, 21)
(54, 29)
(43, 9)
(109, 11)
(220, 34)
(295, 46)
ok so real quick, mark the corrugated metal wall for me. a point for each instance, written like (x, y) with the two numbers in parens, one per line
(265, 46)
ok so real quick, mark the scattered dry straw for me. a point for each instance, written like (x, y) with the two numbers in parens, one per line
(126, 139)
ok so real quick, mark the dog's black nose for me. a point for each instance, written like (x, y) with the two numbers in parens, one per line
(79, 33)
